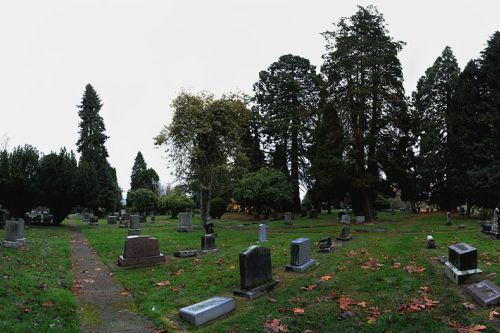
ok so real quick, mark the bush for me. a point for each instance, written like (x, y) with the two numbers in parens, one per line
(217, 208)
(175, 203)
(143, 199)
(382, 203)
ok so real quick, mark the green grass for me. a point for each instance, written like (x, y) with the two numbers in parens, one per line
(387, 288)
(39, 274)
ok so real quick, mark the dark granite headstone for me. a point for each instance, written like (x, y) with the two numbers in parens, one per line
(112, 219)
(485, 293)
(256, 276)
(288, 218)
(463, 256)
(485, 227)
(326, 245)
(141, 250)
(345, 234)
(208, 243)
(431, 243)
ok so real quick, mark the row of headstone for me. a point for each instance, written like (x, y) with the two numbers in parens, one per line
(14, 234)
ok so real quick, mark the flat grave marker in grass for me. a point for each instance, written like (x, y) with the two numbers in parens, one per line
(203, 312)
(485, 293)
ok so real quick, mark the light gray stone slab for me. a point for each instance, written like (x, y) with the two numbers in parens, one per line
(485, 293)
(262, 233)
(203, 312)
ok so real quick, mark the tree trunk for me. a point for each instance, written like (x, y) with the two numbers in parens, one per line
(294, 156)
(204, 204)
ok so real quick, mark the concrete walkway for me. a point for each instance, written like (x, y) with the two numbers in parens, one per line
(104, 306)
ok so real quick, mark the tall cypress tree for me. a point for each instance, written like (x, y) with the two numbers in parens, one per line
(432, 102)
(93, 158)
(138, 168)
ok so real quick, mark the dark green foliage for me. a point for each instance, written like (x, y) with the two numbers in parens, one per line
(432, 102)
(218, 207)
(175, 203)
(143, 200)
(287, 95)
(57, 183)
(97, 174)
(142, 177)
(365, 86)
(264, 191)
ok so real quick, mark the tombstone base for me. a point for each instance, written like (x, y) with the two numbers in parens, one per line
(134, 232)
(462, 277)
(327, 249)
(310, 264)
(345, 239)
(257, 292)
(19, 244)
(208, 251)
(485, 293)
(203, 312)
(142, 261)
(184, 229)
(185, 253)
(443, 259)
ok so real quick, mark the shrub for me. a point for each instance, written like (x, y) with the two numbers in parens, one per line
(175, 203)
(217, 208)
(142, 199)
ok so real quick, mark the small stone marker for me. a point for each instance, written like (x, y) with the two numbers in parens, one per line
(208, 243)
(256, 276)
(112, 219)
(94, 221)
(448, 218)
(185, 222)
(135, 225)
(262, 233)
(141, 250)
(14, 234)
(461, 266)
(300, 256)
(185, 253)
(495, 230)
(360, 219)
(485, 293)
(431, 243)
(345, 218)
(326, 245)
(288, 218)
(485, 227)
(200, 313)
(345, 234)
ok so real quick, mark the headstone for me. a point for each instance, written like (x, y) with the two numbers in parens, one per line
(495, 230)
(339, 215)
(209, 229)
(112, 219)
(360, 219)
(185, 253)
(448, 218)
(326, 245)
(203, 312)
(486, 227)
(94, 221)
(262, 233)
(345, 234)
(288, 218)
(345, 218)
(461, 267)
(185, 222)
(256, 276)
(430, 242)
(300, 256)
(208, 243)
(485, 293)
(141, 250)
(135, 225)
(14, 234)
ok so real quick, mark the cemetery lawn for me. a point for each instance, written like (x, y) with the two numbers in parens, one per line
(35, 283)
(380, 281)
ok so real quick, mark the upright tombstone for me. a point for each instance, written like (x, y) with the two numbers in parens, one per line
(135, 225)
(345, 234)
(448, 218)
(288, 219)
(94, 221)
(326, 245)
(346, 218)
(208, 243)
(141, 251)
(256, 277)
(209, 229)
(360, 219)
(430, 242)
(495, 230)
(461, 266)
(112, 219)
(203, 312)
(124, 220)
(300, 256)
(262, 233)
(14, 234)
(185, 222)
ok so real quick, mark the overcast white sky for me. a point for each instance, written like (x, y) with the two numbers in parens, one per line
(140, 54)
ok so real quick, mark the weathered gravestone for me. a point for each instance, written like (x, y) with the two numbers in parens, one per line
(430, 242)
(485, 293)
(345, 218)
(262, 233)
(135, 225)
(209, 229)
(112, 219)
(203, 312)
(124, 220)
(300, 256)
(256, 276)
(208, 243)
(461, 266)
(326, 245)
(345, 234)
(185, 253)
(94, 221)
(495, 230)
(448, 218)
(485, 227)
(288, 218)
(14, 234)
(360, 219)
(152, 218)
(141, 251)
(185, 222)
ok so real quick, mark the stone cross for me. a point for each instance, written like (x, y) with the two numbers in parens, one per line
(262, 233)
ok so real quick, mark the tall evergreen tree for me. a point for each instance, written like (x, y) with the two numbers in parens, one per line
(91, 146)
(287, 96)
(432, 102)
(142, 177)
(365, 85)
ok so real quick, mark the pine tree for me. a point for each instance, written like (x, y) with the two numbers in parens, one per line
(138, 167)
(365, 85)
(432, 102)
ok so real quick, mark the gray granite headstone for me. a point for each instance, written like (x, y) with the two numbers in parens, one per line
(360, 219)
(288, 218)
(485, 293)
(185, 222)
(300, 256)
(208, 243)
(141, 250)
(262, 233)
(495, 229)
(345, 218)
(448, 218)
(14, 234)
(11, 230)
(135, 225)
(256, 276)
(203, 312)
(112, 219)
